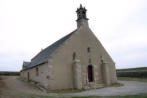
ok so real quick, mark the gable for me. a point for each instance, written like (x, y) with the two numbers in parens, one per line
(76, 49)
(79, 43)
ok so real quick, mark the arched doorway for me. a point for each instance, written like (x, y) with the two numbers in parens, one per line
(90, 73)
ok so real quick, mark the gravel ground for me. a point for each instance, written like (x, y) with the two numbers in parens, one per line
(15, 86)
(129, 88)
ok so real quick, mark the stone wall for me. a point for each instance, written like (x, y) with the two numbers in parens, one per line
(63, 61)
(41, 78)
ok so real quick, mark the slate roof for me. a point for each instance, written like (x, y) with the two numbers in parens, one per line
(25, 64)
(45, 54)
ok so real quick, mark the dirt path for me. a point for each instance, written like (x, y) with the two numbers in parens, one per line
(129, 88)
(14, 86)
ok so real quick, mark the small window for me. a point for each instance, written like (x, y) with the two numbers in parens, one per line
(88, 49)
(74, 56)
(37, 71)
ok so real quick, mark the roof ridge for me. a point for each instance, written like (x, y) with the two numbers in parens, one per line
(46, 53)
(55, 43)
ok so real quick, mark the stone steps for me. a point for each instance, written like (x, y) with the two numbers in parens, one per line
(94, 86)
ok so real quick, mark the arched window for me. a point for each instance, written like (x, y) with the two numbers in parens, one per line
(74, 56)
(90, 73)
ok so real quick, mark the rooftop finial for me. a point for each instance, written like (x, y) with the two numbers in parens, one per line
(80, 5)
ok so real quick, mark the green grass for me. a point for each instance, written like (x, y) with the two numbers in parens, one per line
(128, 96)
(133, 69)
(25, 96)
(39, 96)
(116, 85)
(132, 79)
(85, 97)
(65, 91)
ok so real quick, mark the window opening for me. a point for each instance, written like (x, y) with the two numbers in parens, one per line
(90, 73)
(37, 71)
(88, 49)
(74, 56)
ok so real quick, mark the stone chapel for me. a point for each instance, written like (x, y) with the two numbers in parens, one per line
(76, 61)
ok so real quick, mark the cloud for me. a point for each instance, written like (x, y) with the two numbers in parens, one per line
(27, 26)
(131, 59)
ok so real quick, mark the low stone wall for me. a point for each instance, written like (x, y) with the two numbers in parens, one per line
(7, 73)
(132, 74)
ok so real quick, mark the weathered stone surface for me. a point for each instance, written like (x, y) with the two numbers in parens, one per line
(65, 70)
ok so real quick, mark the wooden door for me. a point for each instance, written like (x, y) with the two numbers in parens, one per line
(90, 73)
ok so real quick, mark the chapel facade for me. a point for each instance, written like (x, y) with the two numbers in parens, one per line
(76, 61)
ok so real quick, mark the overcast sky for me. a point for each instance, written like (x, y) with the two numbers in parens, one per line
(27, 26)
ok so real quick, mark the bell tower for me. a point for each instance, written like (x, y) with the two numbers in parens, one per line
(82, 19)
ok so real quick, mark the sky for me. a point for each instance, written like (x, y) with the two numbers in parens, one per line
(27, 26)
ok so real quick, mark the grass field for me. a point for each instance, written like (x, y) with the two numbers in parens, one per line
(132, 79)
(39, 96)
